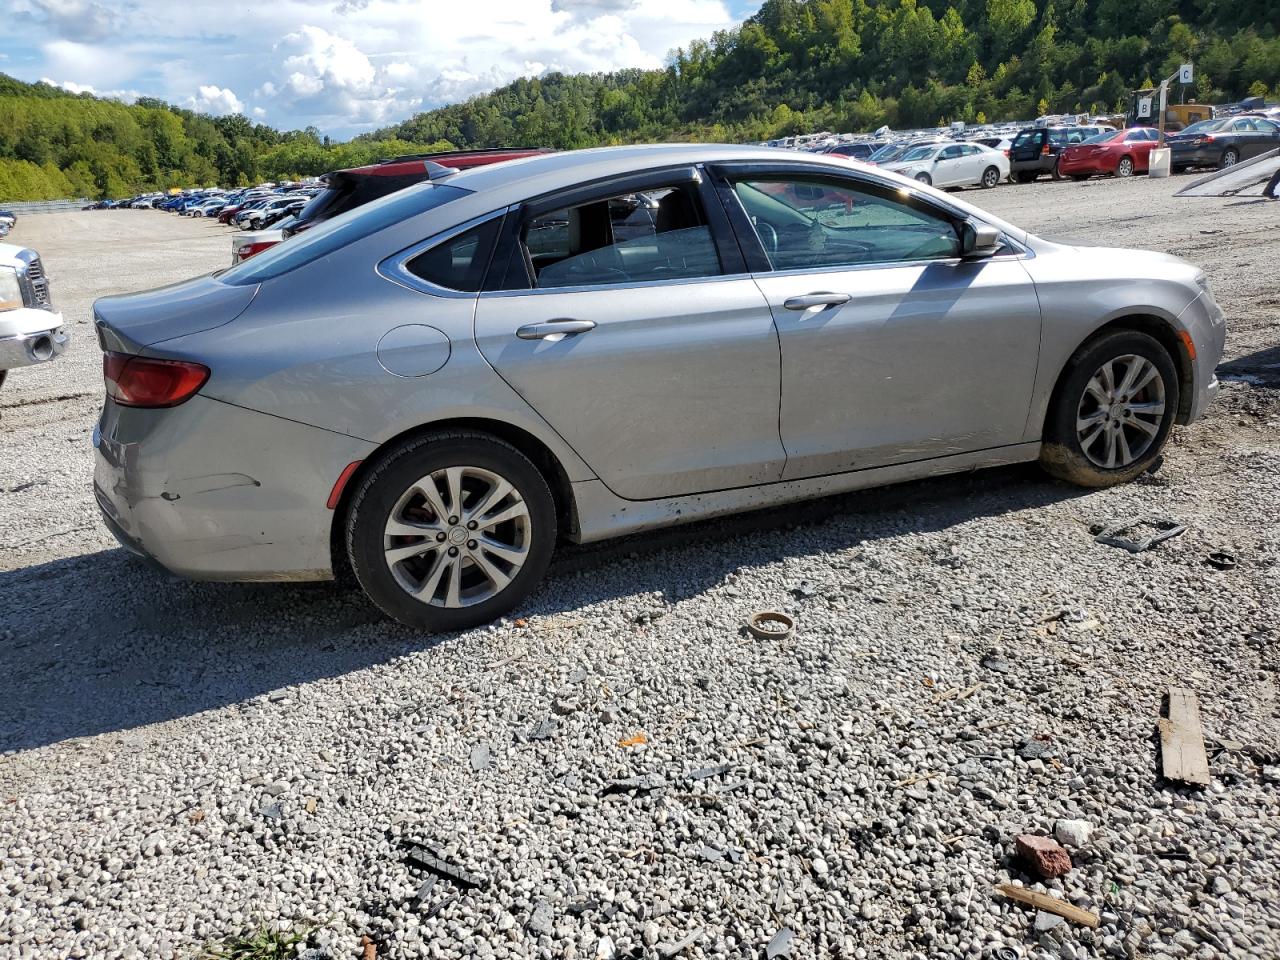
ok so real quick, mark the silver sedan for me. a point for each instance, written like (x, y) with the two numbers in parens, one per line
(435, 388)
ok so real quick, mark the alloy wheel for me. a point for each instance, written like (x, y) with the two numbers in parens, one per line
(1230, 158)
(1125, 167)
(1120, 413)
(457, 537)
(990, 177)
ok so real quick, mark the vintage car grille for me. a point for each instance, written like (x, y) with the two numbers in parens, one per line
(36, 286)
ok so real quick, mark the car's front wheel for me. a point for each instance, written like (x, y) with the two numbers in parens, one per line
(924, 178)
(1112, 411)
(451, 530)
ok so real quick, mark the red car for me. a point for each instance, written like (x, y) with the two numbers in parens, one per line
(1121, 153)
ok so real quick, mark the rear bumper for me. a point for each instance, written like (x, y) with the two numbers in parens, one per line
(1069, 165)
(216, 492)
(1195, 156)
(1041, 164)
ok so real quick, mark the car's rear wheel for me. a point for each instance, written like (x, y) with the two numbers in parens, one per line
(990, 177)
(925, 179)
(3, 374)
(1112, 411)
(1055, 173)
(1230, 157)
(1125, 167)
(1026, 176)
(451, 530)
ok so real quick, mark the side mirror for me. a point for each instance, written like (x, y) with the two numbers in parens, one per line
(978, 240)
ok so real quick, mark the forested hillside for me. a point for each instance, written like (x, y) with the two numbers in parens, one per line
(796, 66)
(846, 65)
(55, 144)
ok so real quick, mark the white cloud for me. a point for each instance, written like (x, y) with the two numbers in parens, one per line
(258, 112)
(342, 65)
(219, 101)
(72, 19)
(127, 96)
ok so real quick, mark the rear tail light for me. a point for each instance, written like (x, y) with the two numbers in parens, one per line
(1006, 153)
(1045, 150)
(144, 382)
(247, 250)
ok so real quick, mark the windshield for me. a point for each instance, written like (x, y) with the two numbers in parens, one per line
(890, 151)
(1205, 126)
(919, 153)
(342, 230)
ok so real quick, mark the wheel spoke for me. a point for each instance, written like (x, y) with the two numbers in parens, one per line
(453, 480)
(497, 493)
(1135, 366)
(1084, 423)
(513, 512)
(489, 569)
(1088, 441)
(1126, 456)
(1154, 408)
(1147, 427)
(1106, 373)
(1111, 448)
(431, 584)
(411, 528)
(1097, 389)
(406, 551)
(453, 593)
(511, 554)
(1149, 373)
(431, 493)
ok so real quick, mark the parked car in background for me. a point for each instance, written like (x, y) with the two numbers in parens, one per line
(271, 211)
(295, 413)
(953, 165)
(31, 330)
(892, 152)
(1120, 153)
(1222, 143)
(7, 221)
(854, 151)
(1035, 150)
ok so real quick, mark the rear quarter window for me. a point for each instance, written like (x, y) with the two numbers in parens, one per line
(342, 230)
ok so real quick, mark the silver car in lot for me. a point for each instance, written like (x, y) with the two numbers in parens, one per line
(435, 388)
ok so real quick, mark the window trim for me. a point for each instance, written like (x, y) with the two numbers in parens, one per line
(395, 267)
(511, 270)
(758, 260)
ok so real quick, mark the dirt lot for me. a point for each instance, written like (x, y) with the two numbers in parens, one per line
(183, 760)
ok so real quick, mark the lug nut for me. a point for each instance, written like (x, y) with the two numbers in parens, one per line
(453, 551)
(471, 544)
(440, 536)
(453, 521)
(471, 524)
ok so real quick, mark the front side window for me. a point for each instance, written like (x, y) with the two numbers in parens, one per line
(810, 223)
(659, 234)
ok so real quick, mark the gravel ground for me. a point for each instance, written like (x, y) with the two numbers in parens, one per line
(181, 760)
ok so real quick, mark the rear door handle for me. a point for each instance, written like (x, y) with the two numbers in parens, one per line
(554, 328)
(816, 300)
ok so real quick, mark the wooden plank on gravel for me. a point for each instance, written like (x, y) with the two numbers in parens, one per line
(1042, 901)
(1182, 754)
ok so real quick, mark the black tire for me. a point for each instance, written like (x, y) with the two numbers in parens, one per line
(1062, 454)
(925, 179)
(1055, 173)
(1080, 176)
(1125, 167)
(3, 374)
(1026, 176)
(1179, 168)
(990, 177)
(1230, 157)
(383, 486)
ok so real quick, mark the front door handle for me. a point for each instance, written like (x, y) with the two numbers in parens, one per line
(554, 328)
(816, 300)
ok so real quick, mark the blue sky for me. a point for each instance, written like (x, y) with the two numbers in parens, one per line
(344, 66)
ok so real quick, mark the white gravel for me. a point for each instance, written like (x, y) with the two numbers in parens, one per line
(184, 760)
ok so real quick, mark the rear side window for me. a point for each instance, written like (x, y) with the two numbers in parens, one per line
(458, 263)
(342, 230)
(659, 234)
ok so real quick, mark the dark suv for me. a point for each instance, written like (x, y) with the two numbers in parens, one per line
(1035, 150)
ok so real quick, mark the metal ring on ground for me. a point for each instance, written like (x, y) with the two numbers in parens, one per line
(758, 625)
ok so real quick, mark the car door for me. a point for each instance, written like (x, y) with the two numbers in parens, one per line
(948, 166)
(655, 357)
(973, 163)
(893, 348)
(1138, 143)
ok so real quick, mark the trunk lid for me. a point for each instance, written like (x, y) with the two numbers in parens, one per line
(129, 323)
